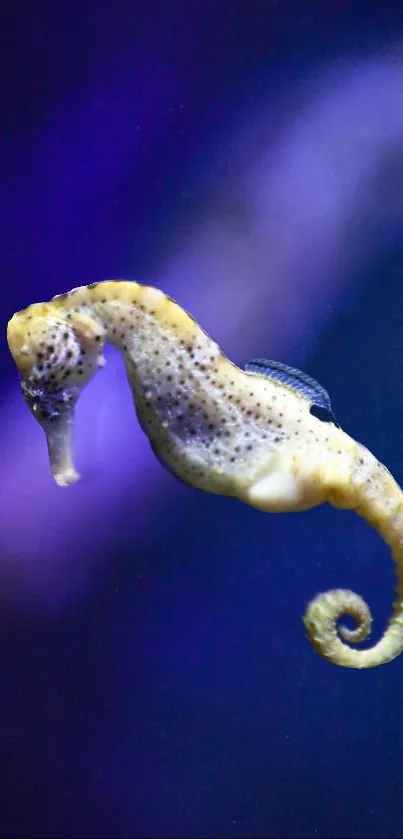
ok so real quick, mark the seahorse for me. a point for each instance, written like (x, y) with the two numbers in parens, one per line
(253, 434)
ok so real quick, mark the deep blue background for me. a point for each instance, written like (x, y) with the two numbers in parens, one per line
(178, 697)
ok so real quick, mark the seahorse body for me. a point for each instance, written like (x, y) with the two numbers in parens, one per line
(218, 428)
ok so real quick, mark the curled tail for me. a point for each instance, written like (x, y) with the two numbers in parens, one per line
(373, 494)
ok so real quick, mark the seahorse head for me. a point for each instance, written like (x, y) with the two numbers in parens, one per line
(56, 353)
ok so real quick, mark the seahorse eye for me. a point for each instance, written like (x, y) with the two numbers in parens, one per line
(46, 405)
(42, 410)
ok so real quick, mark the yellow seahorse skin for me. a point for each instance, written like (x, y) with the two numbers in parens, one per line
(214, 426)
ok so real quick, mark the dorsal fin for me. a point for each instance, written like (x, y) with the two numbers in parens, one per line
(295, 379)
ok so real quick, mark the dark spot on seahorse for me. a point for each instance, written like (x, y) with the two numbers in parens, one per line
(93, 285)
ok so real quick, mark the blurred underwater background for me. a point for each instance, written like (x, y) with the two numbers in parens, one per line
(245, 156)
